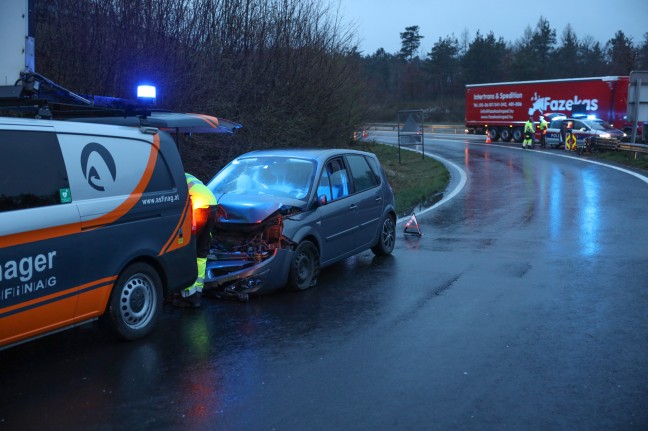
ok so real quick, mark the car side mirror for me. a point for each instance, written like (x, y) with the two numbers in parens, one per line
(322, 200)
(583, 129)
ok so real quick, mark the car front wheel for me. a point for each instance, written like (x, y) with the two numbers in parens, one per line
(135, 302)
(386, 239)
(304, 267)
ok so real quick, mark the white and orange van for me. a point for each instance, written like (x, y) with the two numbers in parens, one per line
(95, 222)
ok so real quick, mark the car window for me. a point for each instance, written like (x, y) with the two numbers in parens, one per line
(578, 125)
(556, 124)
(32, 171)
(324, 186)
(600, 125)
(363, 176)
(334, 182)
(273, 176)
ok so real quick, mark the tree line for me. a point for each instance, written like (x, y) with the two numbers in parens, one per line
(436, 81)
(289, 70)
(282, 68)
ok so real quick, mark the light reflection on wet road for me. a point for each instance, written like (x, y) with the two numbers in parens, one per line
(522, 306)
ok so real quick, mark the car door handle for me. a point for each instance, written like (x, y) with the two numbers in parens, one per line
(378, 198)
(353, 207)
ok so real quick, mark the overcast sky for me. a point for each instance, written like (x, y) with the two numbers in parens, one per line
(380, 22)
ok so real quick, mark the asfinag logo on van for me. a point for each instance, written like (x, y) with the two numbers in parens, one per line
(98, 166)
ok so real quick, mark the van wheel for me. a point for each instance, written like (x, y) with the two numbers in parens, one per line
(304, 267)
(135, 302)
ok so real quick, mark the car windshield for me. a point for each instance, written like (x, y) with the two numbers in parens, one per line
(600, 125)
(272, 176)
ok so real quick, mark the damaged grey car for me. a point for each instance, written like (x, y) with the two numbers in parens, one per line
(285, 214)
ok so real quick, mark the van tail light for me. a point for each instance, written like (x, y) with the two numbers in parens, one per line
(200, 217)
(194, 229)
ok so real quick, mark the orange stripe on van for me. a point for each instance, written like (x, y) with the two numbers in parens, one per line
(184, 225)
(48, 313)
(134, 197)
(37, 321)
(39, 235)
(212, 121)
(48, 298)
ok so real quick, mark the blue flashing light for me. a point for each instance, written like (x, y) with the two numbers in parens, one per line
(591, 117)
(146, 92)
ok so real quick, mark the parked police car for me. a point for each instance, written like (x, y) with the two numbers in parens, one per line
(581, 129)
(95, 221)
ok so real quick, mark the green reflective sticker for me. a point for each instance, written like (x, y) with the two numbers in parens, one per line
(66, 196)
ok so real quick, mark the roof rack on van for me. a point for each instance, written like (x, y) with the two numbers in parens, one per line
(35, 95)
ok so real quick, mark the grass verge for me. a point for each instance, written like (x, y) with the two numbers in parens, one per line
(416, 180)
(625, 158)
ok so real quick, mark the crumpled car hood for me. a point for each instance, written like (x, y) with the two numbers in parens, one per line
(241, 208)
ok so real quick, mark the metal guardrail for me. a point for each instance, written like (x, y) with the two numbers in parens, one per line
(438, 128)
(461, 129)
(636, 148)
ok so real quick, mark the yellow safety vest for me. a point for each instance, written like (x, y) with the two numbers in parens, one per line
(201, 196)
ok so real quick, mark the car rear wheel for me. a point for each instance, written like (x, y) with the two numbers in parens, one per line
(387, 238)
(135, 302)
(304, 267)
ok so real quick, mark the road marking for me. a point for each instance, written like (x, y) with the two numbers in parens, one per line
(462, 183)
(463, 177)
(626, 171)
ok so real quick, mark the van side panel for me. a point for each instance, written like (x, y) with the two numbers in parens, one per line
(131, 207)
(129, 202)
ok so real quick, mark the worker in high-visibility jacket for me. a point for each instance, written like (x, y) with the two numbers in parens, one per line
(529, 131)
(543, 132)
(204, 213)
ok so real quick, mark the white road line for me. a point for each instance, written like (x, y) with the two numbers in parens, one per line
(463, 177)
(446, 198)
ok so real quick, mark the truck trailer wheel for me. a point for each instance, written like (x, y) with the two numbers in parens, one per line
(506, 134)
(494, 133)
(518, 134)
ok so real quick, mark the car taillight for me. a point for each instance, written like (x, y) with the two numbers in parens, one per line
(221, 214)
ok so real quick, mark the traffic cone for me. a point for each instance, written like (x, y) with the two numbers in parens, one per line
(413, 226)
(488, 139)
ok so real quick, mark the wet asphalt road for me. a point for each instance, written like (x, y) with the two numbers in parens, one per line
(524, 306)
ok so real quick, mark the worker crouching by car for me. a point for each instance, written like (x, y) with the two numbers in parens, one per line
(204, 211)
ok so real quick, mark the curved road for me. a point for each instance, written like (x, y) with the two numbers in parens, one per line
(524, 305)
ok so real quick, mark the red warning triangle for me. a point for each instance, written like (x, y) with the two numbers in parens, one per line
(412, 226)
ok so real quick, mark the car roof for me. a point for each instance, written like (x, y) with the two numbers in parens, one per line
(304, 153)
